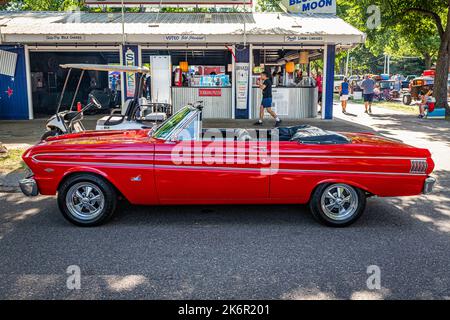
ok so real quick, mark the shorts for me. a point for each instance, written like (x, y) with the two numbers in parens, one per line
(368, 97)
(267, 102)
(344, 97)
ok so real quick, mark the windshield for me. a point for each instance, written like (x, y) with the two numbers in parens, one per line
(164, 130)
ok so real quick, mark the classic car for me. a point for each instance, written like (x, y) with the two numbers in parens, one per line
(418, 87)
(180, 163)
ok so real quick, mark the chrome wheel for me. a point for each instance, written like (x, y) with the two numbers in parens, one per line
(85, 201)
(339, 202)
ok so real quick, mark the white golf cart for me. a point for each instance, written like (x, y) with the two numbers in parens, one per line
(136, 113)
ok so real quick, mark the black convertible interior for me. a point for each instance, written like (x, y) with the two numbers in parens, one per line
(304, 134)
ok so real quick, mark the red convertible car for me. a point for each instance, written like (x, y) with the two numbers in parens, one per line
(179, 163)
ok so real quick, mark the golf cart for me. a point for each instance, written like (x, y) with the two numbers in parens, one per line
(139, 112)
(418, 87)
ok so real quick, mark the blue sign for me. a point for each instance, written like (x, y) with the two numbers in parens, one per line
(310, 6)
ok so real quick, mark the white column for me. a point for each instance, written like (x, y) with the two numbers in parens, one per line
(233, 84)
(28, 80)
(140, 62)
(250, 87)
(122, 80)
(324, 80)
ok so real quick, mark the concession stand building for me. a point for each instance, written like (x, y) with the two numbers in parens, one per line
(216, 57)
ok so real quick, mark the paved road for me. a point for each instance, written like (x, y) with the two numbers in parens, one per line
(217, 252)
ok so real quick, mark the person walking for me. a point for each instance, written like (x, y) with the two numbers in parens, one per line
(266, 104)
(368, 86)
(319, 85)
(344, 92)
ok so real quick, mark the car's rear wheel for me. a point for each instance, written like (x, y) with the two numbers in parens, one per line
(337, 205)
(87, 200)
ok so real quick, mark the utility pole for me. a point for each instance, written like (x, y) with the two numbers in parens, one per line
(351, 65)
(388, 64)
(346, 64)
(124, 40)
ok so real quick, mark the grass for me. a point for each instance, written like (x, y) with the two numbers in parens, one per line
(399, 106)
(13, 160)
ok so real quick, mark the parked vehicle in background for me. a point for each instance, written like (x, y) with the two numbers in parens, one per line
(418, 87)
(429, 73)
(354, 78)
(180, 163)
(69, 121)
(387, 91)
(410, 77)
(337, 82)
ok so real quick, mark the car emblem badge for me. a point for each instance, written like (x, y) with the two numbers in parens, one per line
(136, 179)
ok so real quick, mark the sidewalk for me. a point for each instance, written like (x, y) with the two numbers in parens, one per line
(21, 134)
(431, 134)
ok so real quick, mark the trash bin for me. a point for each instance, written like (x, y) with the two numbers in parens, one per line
(357, 95)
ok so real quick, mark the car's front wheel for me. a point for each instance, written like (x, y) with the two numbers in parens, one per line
(87, 200)
(337, 205)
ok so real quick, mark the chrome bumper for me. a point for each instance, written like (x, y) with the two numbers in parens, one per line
(428, 185)
(29, 187)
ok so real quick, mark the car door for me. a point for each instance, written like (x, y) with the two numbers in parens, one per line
(199, 171)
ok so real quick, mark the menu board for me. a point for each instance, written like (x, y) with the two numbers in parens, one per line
(242, 75)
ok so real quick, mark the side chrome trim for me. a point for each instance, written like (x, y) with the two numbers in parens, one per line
(172, 167)
(178, 167)
(239, 155)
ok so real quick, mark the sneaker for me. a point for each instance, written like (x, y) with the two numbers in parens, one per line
(258, 123)
(366, 112)
(277, 123)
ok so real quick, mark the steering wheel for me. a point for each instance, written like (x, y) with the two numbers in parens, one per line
(94, 101)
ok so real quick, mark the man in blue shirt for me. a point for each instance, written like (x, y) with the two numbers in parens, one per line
(368, 86)
(266, 103)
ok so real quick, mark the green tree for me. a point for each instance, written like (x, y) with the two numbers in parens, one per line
(43, 5)
(420, 24)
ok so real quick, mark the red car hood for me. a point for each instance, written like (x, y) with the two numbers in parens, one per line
(99, 137)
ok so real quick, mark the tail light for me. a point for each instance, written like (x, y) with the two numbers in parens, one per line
(419, 166)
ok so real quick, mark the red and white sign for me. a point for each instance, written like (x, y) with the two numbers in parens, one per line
(210, 92)
(169, 2)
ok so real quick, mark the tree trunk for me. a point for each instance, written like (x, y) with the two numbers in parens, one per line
(428, 60)
(442, 65)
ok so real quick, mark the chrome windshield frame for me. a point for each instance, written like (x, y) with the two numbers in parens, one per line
(193, 114)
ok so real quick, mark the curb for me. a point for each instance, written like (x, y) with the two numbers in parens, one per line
(10, 189)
